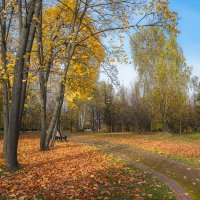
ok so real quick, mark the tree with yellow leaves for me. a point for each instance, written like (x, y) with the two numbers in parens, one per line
(75, 66)
(163, 77)
(69, 33)
(25, 27)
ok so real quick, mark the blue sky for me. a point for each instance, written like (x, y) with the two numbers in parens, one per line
(189, 39)
(189, 25)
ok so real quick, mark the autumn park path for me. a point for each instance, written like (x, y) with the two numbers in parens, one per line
(183, 179)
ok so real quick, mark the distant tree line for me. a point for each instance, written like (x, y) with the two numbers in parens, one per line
(111, 111)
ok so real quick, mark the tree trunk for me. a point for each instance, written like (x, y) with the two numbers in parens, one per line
(56, 116)
(57, 128)
(27, 62)
(14, 128)
(43, 102)
(180, 126)
(82, 115)
(59, 100)
(93, 125)
(164, 117)
(99, 121)
(71, 126)
(122, 124)
(5, 89)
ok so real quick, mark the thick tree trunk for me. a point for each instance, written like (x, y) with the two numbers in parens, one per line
(5, 78)
(14, 128)
(5, 118)
(27, 63)
(43, 102)
(5, 91)
(43, 77)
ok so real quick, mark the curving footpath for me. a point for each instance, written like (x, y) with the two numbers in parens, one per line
(183, 179)
(178, 191)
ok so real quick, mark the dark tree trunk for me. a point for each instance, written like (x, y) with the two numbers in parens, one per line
(14, 128)
(99, 121)
(180, 125)
(43, 79)
(43, 101)
(93, 119)
(5, 89)
(71, 126)
(27, 63)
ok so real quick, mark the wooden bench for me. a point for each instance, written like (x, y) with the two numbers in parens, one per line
(60, 137)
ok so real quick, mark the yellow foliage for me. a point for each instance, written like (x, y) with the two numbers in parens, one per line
(112, 60)
(85, 63)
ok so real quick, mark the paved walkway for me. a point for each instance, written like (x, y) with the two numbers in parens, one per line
(183, 179)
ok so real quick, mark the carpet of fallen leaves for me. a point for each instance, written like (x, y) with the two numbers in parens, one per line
(74, 171)
(168, 147)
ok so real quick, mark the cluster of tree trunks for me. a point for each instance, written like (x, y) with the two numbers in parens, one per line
(14, 104)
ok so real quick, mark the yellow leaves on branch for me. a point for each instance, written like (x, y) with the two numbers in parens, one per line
(84, 71)
(85, 62)
(84, 57)
(36, 19)
(9, 72)
(112, 60)
(161, 7)
(81, 83)
(32, 78)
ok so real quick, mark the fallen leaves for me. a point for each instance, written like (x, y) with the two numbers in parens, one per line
(172, 148)
(70, 171)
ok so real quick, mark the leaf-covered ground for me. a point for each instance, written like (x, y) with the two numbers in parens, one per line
(185, 147)
(75, 171)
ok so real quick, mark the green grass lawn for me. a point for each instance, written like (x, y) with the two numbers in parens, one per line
(148, 188)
